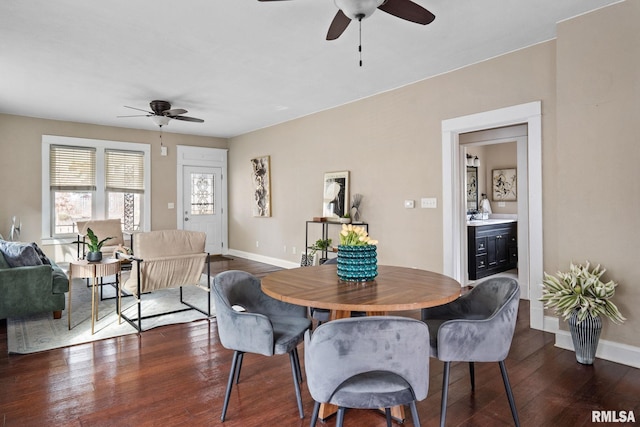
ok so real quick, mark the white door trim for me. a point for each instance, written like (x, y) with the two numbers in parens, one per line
(208, 157)
(529, 219)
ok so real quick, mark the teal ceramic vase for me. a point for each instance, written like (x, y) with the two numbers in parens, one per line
(357, 263)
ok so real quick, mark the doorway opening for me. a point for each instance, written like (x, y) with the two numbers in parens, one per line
(530, 264)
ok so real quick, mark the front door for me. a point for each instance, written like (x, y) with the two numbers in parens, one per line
(202, 207)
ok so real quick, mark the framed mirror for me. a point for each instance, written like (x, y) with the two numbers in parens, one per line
(472, 189)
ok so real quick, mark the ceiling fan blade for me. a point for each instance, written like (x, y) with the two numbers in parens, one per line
(187, 119)
(408, 10)
(138, 115)
(174, 112)
(139, 109)
(338, 25)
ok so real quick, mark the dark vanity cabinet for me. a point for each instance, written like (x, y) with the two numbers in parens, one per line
(493, 248)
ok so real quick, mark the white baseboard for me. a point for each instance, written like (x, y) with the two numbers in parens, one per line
(265, 259)
(608, 350)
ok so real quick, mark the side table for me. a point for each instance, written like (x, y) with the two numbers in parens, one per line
(93, 270)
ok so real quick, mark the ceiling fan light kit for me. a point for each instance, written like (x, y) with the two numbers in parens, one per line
(358, 9)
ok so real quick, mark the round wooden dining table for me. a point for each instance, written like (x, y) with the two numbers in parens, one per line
(394, 289)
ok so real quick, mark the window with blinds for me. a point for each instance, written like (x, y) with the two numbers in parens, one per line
(124, 171)
(72, 168)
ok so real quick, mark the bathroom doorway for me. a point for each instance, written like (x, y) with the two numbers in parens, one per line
(530, 264)
(493, 154)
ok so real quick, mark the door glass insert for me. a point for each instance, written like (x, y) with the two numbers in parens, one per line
(202, 194)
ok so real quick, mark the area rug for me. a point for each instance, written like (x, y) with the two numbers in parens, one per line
(41, 332)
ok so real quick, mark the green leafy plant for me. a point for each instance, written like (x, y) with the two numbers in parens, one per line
(94, 245)
(354, 235)
(580, 289)
(320, 245)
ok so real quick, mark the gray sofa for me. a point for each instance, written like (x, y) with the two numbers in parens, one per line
(29, 285)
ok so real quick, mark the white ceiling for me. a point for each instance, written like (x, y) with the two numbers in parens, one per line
(240, 65)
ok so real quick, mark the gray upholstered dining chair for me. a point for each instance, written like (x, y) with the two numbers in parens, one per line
(477, 327)
(368, 363)
(250, 321)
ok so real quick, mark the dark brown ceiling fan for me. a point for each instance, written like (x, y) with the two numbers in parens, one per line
(360, 9)
(161, 113)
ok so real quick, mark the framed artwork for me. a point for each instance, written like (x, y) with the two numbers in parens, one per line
(504, 185)
(336, 194)
(261, 180)
(472, 188)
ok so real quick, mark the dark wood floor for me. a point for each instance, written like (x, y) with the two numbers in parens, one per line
(176, 376)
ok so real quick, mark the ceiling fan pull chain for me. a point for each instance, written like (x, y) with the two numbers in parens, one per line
(360, 37)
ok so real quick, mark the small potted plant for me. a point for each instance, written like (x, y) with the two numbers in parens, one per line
(94, 245)
(580, 297)
(320, 245)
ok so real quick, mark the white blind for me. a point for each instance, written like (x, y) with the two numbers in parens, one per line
(124, 171)
(72, 168)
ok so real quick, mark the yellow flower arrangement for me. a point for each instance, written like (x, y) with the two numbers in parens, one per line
(354, 235)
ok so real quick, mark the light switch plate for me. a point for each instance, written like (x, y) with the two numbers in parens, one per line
(429, 202)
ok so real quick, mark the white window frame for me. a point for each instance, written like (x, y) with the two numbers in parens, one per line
(100, 194)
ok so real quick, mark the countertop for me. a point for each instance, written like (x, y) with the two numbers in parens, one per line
(481, 222)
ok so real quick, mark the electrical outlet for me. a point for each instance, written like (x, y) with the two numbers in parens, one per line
(257, 244)
(409, 204)
(429, 202)
(293, 250)
(285, 249)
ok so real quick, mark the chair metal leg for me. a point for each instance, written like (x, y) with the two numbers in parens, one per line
(298, 364)
(296, 381)
(507, 388)
(239, 367)
(314, 416)
(445, 393)
(387, 413)
(472, 374)
(414, 414)
(340, 419)
(232, 374)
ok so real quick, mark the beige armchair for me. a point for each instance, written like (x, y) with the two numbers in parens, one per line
(167, 259)
(103, 228)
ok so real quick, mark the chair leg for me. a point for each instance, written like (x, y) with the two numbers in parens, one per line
(239, 367)
(387, 413)
(472, 374)
(314, 416)
(296, 381)
(414, 414)
(445, 393)
(507, 388)
(340, 419)
(298, 365)
(232, 374)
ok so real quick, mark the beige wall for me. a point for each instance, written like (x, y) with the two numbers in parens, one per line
(596, 215)
(21, 176)
(391, 144)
